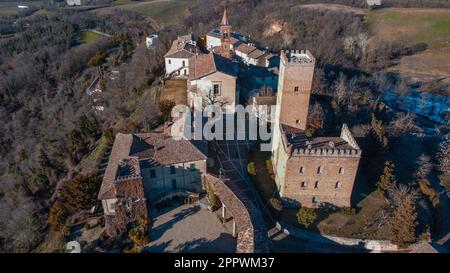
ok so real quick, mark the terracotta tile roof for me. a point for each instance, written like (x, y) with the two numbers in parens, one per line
(216, 34)
(245, 48)
(255, 54)
(235, 40)
(131, 151)
(266, 100)
(206, 64)
(182, 49)
(170, 151)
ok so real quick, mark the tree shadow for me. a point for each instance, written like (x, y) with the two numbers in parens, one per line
(225, 243)
(157, 248)
(158, 231)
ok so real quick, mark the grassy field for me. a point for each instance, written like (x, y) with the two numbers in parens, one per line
(88, 36)
(162, 11)
(175, 90)
(10, 8)
(414, 26)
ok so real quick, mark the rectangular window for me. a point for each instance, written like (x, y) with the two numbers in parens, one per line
(152, 173)
(172, 170)
(296, 89)
(341, 170)
(216, 90)
(302, 170)
(170, 61)
(174, 184)
(304, 184)
(184, 63)
(192, 167)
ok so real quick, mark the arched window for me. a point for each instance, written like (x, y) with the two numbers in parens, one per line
(341, 170)
(338, 185)
(302, 170)
(316, 185)
(320, 170)
(304, 184)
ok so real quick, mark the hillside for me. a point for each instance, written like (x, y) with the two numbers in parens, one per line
(430, 27)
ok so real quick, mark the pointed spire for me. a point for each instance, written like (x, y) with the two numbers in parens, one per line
(225, 18)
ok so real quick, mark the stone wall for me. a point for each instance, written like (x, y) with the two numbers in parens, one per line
(333, 185)
(251, 230)
(370, 245)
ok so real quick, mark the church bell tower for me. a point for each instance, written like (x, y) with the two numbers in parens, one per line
(225, 36)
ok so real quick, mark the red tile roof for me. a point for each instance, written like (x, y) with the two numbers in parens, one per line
(132, 150)
(182, 49)
(206, 64)
(245, 48)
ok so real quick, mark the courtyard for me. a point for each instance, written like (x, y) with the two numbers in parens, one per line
(188, 228)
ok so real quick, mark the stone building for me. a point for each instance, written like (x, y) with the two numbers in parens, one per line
(308, 171)
(177, 58)
(145, 168)
(213, 79)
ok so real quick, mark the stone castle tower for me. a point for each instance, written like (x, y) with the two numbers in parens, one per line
(225, 36)
(309, 171)
(294, 90)
(294, 87)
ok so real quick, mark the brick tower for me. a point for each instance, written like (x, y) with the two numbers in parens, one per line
(294, 87)
(309, 171)
(225, 36)
(294, 90)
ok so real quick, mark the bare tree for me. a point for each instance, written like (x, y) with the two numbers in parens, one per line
(424, 167)
(443, 155)
(317, 115)
(209, 98)
(397, 193)
(403, 123)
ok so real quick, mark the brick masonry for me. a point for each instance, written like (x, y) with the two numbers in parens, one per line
(296, 158)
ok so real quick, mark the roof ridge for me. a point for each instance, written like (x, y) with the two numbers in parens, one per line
(214, 62)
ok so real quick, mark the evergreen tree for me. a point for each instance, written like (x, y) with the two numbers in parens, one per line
(403, 223)
(387, 179)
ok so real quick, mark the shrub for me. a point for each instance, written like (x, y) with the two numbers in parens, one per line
(251, 168)
(269, 166)
(348, 211)
(426, 189)
(309, 132)
(212, 197)
(306, 216)
(57, 216)
(165, 107)
(276, 204)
